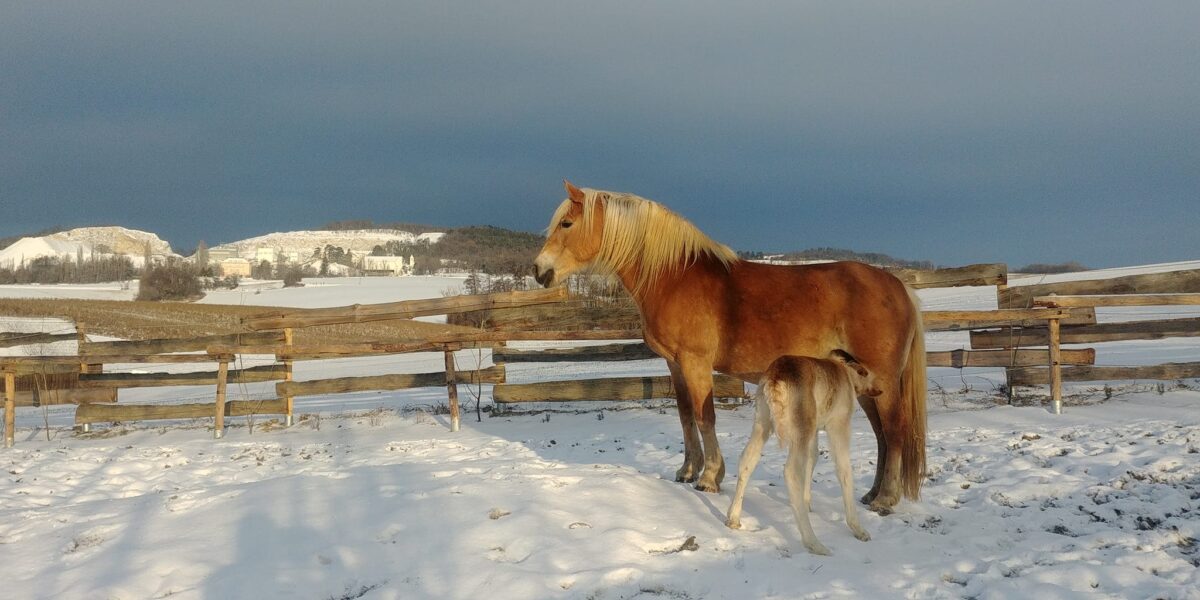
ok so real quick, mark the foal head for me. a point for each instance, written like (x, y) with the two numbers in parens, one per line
(862, 379)
(573, 238)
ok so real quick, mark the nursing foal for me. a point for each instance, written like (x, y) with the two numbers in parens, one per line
(799, 396)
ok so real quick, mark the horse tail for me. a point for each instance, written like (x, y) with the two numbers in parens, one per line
(912, 384)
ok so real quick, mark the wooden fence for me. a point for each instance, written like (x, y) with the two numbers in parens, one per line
(1024, 336)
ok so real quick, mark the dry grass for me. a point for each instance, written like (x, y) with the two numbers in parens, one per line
(133, 320)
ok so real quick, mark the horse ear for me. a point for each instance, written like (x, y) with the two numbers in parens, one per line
(574, 193)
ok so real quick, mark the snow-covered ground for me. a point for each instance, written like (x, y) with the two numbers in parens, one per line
(371, 496)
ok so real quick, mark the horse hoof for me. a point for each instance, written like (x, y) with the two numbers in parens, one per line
(711, 488)
(881, 509)
(869, 497)
(684, 478)
(862, 536)
(818, 548)
(733, 523)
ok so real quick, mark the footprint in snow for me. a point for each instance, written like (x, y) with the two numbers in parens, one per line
(87, 541)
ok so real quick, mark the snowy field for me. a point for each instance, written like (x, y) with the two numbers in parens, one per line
(370, 496)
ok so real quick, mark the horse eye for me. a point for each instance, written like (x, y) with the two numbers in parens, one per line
(565, 224)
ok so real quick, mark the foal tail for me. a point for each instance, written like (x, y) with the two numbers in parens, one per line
(912, 401)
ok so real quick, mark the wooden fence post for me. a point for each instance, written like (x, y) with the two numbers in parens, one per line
(452, 389)
(287, 376)
(222, 377)
(1055, 368)
(84, 368)
(10, 409)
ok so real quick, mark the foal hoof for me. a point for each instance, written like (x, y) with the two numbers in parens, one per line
(733, 523)
(818, 548)
(862, 535)
(712, 488)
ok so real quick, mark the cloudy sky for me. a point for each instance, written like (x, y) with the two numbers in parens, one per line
(956, 132)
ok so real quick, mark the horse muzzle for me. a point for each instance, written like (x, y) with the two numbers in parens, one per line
(545, 278)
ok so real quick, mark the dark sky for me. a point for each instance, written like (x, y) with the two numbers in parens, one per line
(956, 132)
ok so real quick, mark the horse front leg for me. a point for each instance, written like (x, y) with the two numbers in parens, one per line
(693, 456)
(698, 380)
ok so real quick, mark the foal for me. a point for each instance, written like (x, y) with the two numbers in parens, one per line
(798, 396)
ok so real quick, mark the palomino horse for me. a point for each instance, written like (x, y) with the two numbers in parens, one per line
(703, 309)
(797, 397)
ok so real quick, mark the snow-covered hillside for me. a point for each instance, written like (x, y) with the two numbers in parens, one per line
(86, 242)
(302, 243)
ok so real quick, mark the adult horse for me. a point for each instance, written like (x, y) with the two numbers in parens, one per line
(703, 309)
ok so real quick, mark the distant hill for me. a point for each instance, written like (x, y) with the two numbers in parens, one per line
(10, 240)
(86, 242)
(490, 249)
(834, 254)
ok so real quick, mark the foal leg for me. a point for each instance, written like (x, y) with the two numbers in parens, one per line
(839, 446)
(693, 457)
(750, 457)
(809, 466)
(798, 476)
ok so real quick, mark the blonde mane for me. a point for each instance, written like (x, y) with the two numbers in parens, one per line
(645, 235)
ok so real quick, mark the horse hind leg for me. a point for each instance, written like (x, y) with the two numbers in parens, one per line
(871, 409)
(798, 476)
(750, 457)
(693, 455)
(895, 427)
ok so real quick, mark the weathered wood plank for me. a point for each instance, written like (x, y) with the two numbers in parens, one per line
(29, 365)
(324, 351)
(402, 381)
(521, 336)
(97, 413)
(1057, 301)
(970, 275)
(1172, 282)
(407, 309)
(1087, 334)
(165, 346)
(1169, 371)
(115, 359)
(608, 389)
(243, 408)
(38, 397)
(956, 320)
(607, 352)
(10, 339)
(1006, 358)
(132, 380)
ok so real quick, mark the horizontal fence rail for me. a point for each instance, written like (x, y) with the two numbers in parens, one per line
(1024, 336)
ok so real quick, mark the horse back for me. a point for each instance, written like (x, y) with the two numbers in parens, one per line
(745, 317)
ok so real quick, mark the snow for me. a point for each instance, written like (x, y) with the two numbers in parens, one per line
(29, 249)
(371, 496)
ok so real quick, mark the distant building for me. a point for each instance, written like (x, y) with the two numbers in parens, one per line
(216, 255)
(389, 265)
(235, 267)
(267, 254)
